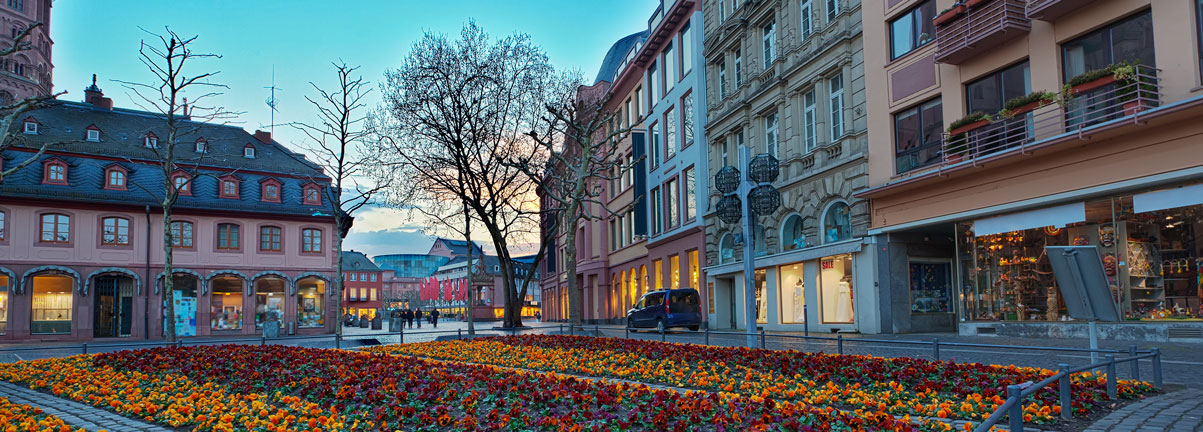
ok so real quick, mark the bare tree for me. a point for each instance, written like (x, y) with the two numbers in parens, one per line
(458, 111)
(166, 56)
(337, 141)
(580, 143)
(12, 111)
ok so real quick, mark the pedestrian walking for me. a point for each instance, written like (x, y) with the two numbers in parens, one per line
(418, 317)
(408, 315)
(538, 316)
(434, 318)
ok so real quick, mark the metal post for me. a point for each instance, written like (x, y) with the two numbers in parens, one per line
(401, 335)
(1094, 341)
(1111, 376)
(1135, 363)
(707, 335)
(596, 330)
(459, 334)
(1065, 392)
(806, 320)
(561, 329)
(338, 341)
(761, 338)
(626, 332)
(179, 343)
(85, 347)
(262, 340)
(662, 337)
(572, 329)
(839, 344)
(935, 348)
(1015, 415)
(749, 245)
(1157, 367)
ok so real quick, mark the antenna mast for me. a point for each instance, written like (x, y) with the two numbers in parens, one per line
(271, 101)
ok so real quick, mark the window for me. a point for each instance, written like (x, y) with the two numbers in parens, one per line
(202, 146)
(354, 277)
(809, 122)
(269, 239)
(637, 101)
(312, 195)
(225, 309)
(672, 203)
(722, 77)
(791, 233)
(182, 184)
(115, 179)
(656, 211)
(670, 134)
(653, 133)
(837, 224)
(722, 10)
(227, 236)
(670, 67)
(311, 240)
(653, 85)
(311, 294)
(686, 50)
(687, 120)
(693, 269)
(725, 151)
(151, 141)
(52, 304)
(990, 93)
(93, 134)
(739, 70)
(630, 171)
(739, 140)
(55, 172)
(373, 276)
(770, 134)
(807, 14)
(630, 117)
(691, 205)
(726, 249)
(614, 233)
(918, 132)
(913, 29)
(1129, 40)
(17, 4)
(2, 232)
(181, 234)
(770, 44)
(836, 87)
(658, 268)
(115, 231)
(248, 151)
(31, 127)
(229, 187)
(56, 228)
(674, 271)
(833, 9)
(271, 191)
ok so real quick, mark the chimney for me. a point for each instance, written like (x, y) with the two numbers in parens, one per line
(95, 96)
(264, 137)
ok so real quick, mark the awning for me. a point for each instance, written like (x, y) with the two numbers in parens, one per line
(1168, 198)
(1058, 216)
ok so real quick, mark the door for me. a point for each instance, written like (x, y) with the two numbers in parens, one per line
(104, 315)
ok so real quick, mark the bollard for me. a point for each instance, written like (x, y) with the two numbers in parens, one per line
(572, 329)
(1135, 363)
(401, 335)
(1111, 376)
(662, 336)
(262, 340)
(935, 348)
(839, 344)
(1157, 367)
(761, 338)
(459, 334)
(805, 320)
(707, 335)
(338, 341)
(596, 330)
(85, 347)
(561, 329)
(1066, 397)
(179, 343)
(626, 332)
(1015, 415)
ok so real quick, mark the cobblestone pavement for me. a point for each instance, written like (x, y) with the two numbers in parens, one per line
(1180, 411)
(75, 414)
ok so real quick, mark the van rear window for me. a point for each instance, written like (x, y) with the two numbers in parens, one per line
(684, 302)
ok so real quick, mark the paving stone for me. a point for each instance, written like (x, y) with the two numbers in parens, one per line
(75, 414)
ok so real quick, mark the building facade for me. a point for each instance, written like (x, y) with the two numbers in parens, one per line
(787, 79)
(402, 276)
(27, 73)
(363, 285)
(81, 234)
(1001, 127)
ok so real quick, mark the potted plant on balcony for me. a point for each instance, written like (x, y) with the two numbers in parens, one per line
(958, 135)
(948, 15)
(1020, 105)
(1133, 89)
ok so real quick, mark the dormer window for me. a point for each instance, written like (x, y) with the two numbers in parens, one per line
(54, 172)
(152, 141)
(115, 178)
(313, 195)
(182, 185)
(248, 151)
(31, 126)
(202, 146)
(93, 133)
(271, 191)
(229, 187)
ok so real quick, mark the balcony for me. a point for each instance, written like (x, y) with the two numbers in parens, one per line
(982, 25)
(1093, 105)
(1050, 10)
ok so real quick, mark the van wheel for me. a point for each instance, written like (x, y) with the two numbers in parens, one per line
(660, 326)
(693, 328)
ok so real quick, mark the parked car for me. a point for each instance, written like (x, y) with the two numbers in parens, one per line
(664, 309)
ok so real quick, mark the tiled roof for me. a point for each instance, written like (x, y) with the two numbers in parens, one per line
(357, 261)
(460, 247)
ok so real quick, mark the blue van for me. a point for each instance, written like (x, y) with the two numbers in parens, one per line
(663, 309)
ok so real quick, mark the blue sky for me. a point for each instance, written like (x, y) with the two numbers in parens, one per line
(301, 38)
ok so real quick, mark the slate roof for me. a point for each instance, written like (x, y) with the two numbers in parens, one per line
(357, 261)
(614, 57)
(460, 247)
(122, 143)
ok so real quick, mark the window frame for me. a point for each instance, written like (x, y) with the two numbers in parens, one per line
(805, 19)
(48, 172)
(232, 237)
(151, 141)
(3, 226)
(311, 240)
(833, 10)
(178, 234)
(653, 132)
(738, 68)
(224, 181)
(657, 210)
(59, 219)
(768, 40)
(919, 109)
(687, 120)
(917, 21)
(274, 234)
(772, 137)
(722, 77)
(670, 133)
(186, 188)
(108, 178)
(686, 51)
(810, 121)
(202, 145)
(837, 109)
(689, 208)
(317, 195)
(263, 189)
(31, 130)
(92, 134)
(672, 202)
(117, 226)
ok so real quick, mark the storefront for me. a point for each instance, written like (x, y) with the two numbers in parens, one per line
(226, 303)
(4, 288)
(311, 303)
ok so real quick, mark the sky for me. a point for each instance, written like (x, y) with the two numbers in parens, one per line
(300, 39)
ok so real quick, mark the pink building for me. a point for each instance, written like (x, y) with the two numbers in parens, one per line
(81, 236)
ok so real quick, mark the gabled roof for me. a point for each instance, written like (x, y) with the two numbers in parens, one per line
(357, 261)
(459, 247)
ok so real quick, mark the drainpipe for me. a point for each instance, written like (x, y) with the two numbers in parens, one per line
(149, 282)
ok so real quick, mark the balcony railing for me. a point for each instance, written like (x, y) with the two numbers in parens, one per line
(1088, 107)
(983, 25)
(1050, 10)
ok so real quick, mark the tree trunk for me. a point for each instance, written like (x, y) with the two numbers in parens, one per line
(574, 296)
(338, 273)
(471, 271)
(168, 277)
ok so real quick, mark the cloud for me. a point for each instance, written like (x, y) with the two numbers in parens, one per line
(383, 230)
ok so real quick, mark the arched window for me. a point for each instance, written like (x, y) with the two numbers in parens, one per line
(114, 231)
(313, 195)
(726, 249)
(181, 234)
(837, 223)
(182, 185)
(269, 238)
(229, 187)
(54, 172)
(227, 236)
(791, 233)
(311, 240)
(56, 228)
(271, 191)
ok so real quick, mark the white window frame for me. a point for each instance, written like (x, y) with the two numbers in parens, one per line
(833, 10)
(722, 78)
(806, 21)
(152, 142)
(810, 127)
(739, 70)
(725, 150)
(31, 128)
(93, 135)
(202, 146)
(770, 133)
(835, 88)
(248, 152)
(686, 50)
(769, 43)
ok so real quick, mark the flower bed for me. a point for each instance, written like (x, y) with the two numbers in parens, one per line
(902, 386)
(20, 417)
(278, 388)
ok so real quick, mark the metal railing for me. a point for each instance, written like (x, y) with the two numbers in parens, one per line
(1081, 112)
(980, 28)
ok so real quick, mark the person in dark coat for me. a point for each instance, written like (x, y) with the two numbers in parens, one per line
(408, 316)
(418, 316)
(434, 318)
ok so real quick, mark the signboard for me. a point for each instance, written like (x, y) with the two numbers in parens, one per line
(1083, 282)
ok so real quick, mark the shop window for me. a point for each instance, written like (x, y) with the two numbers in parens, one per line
(791, 233)
(52, 304)
(835, 290)
(726, 249)
(226, 304)
(633, 287)
(793, 294)
(311, 240)
(227, 236)
(674, 271)
(931, 286)
(56, 228)
(269, 239)
(658, 276)
(185, 289)
(181, 234)
(114, 231)
(269, 300)
(4, 281)
(913, 29)
(693, 270)
(762, 299)
(837, 223)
